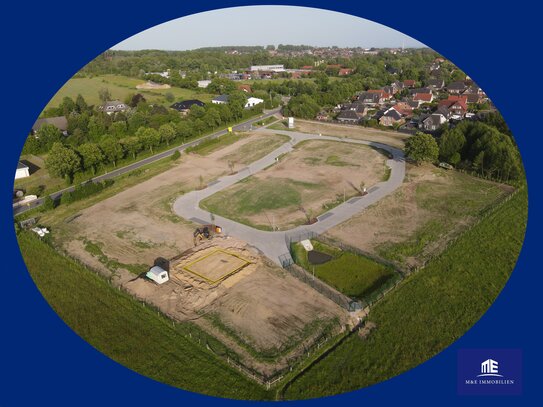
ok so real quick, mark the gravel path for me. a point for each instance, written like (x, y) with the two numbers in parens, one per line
(274, 244)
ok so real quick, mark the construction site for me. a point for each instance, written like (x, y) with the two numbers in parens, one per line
(248, 303)
(208, 241)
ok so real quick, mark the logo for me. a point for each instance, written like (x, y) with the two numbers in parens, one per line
(489, 371)
(489, 368)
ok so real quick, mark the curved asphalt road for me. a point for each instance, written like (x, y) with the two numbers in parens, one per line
(274, 244)
(119, 171)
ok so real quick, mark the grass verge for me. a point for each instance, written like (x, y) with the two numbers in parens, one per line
(429, 310)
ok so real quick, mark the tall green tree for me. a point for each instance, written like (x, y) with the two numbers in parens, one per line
(112, 149)
(422, 147)
(132, 145)
(149, 137)
(92, 156)
(167, 133)
(62, 162)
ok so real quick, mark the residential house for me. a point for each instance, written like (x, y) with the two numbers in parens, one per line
(391, 117)
(409, 83)
(435, 84)
(420, 90)
(421, 98)
(444, 111)
(456, 88)
(399, 86)
(246, 88)
(220, 100)
(252, 102)
(369, 98)
(113, 106)
(404, 109)
(433, 122)
(345, 71)
(456, 105)
(60, 122)
(185, 106)
(348, 116)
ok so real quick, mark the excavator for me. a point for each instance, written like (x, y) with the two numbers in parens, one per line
(205, 232)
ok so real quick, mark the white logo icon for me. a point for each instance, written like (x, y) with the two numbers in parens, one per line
(489, 368)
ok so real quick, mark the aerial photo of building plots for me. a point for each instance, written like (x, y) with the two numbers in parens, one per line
(292, 232)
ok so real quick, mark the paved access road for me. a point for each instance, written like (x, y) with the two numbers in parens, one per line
(275, 244)
(245, 126)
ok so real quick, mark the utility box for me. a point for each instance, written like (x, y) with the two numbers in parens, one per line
(291, 122)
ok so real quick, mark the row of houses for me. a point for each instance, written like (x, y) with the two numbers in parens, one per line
(427, 108)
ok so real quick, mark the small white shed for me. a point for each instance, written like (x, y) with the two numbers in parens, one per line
(291, 122)
(158, 275)
(22, 171)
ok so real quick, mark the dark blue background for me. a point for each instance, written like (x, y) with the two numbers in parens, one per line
(43, 362)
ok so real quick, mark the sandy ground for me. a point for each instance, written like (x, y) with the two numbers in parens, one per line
(137, 225)
(152, 85)
(334, 168)
(391, 138)
(264, 305)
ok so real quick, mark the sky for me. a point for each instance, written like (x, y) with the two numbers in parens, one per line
(265, 25)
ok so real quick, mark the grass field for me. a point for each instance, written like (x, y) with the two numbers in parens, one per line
(429, 310)
(120, 87)
(350, 273)
(133, 335)
(251, 196)
(446, 206)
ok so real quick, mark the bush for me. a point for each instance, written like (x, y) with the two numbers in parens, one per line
(176, 155)
(85, 190)
(48, 204)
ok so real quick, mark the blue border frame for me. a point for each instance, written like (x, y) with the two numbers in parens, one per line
(43, 362)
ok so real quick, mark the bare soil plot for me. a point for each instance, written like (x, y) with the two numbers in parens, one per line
(391, 138)
(153, 85)
(312, 179)
(137, 226)
(259, 310)
(428, 210)
(215, 266)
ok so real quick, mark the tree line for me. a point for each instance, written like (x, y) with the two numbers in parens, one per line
(96, 139)
(473, 146)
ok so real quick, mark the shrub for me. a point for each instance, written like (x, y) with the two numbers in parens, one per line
(176, 155)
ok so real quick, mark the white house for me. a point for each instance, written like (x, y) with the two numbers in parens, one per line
(253, 102)
(22, 171)
(157, 274)
(113, 106)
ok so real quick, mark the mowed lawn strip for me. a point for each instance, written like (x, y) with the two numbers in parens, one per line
(121, 328)
(350, 273)
(429, 310)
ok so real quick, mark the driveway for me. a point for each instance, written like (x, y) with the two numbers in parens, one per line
(274, 244)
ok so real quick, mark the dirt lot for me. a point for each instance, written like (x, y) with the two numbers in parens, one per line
(137, 225)
(305, 183)
(431, 207)
(153, 85)
(391, 138)
(261, 306)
